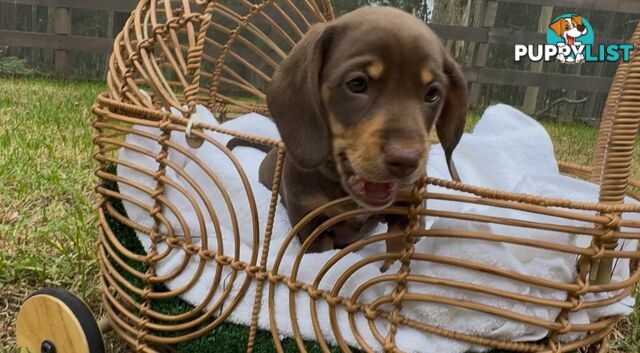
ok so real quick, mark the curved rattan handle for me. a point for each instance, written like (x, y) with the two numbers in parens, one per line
(619, 130)
(614, 151)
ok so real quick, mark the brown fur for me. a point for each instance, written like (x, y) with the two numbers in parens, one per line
(320, 121)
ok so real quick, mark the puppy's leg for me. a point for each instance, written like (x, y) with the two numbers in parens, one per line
(394, 245)
(323, 242)
(268, 168)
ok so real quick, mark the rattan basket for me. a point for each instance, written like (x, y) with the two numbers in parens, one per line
(222, 54)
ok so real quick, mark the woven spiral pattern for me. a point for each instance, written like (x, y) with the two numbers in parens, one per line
(177, 54)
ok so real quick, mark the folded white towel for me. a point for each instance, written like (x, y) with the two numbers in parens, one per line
(507, 150)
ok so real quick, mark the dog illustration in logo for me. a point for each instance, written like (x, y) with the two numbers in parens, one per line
(570, 29)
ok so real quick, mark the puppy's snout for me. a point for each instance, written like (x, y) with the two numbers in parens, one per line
(582, 28)
(401, 162)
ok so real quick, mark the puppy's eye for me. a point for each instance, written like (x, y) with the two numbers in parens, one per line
(358, 85)
(432, 95)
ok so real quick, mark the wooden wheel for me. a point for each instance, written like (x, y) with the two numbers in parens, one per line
(56, 321)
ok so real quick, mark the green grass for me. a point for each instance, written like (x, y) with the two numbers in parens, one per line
(46, 215)
(47, 219)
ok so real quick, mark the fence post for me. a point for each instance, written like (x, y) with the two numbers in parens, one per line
(482, 54)
(531, 94)
(62, 27)
(594, 105)
(35, 52)
(477, 13)
(111, 33)
(8, 16)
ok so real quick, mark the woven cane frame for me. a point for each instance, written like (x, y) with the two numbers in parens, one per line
(222, 55)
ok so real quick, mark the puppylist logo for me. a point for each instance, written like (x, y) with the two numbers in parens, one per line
(570, 40)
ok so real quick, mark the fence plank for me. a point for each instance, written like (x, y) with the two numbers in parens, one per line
(626, 6)
(499, 35)
(537, 79)
(467, 34)
(111, 5)
(8, 15)
(62, 28)
(531, 94)
(485, 36)
(491, 14)
(481, 56)
(54, 41)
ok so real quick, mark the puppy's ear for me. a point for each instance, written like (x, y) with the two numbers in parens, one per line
(557, 27)
(578, 19)
(451, 122)
(293, 98)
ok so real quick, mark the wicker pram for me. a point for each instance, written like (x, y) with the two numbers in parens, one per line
(222, 54)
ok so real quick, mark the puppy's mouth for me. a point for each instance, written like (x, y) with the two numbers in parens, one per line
(371, 194)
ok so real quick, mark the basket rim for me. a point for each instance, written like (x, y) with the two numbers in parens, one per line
(181, 122)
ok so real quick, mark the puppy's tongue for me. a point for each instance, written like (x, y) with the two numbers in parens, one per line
(376, 194)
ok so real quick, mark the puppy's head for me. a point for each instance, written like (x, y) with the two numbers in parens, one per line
(366, 91)
(569, 27)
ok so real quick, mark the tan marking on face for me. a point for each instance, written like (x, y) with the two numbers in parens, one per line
(363, 145)
(325, 95)
(375, 69)
(353, 135)
(369, 143)
(337, 129)
(426, 76)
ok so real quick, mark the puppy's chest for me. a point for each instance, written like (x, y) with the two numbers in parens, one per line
(305, 191)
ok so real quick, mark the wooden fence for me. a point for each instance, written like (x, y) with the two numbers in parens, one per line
(480, 75)
(532, 80)
(59, 35)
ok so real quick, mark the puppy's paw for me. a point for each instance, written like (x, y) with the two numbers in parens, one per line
(386, 265)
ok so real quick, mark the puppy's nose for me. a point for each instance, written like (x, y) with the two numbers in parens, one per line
(401, 162)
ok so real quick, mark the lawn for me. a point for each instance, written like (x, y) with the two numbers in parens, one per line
(47, 219)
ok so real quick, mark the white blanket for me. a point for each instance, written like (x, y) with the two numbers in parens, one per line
(507, 150)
